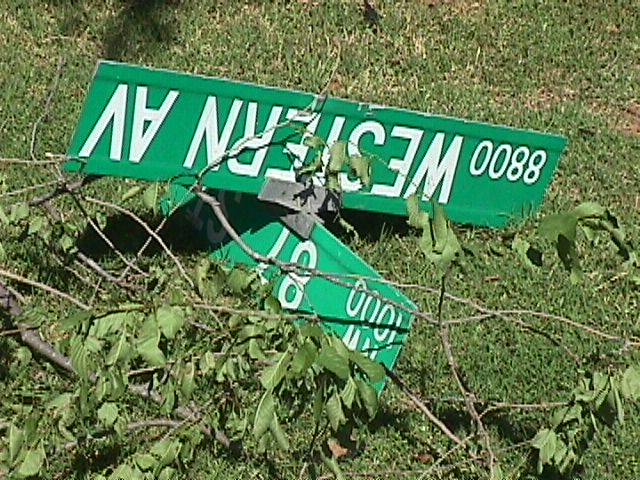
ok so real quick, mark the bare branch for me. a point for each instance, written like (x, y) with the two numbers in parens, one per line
(424, 409)
(150, 231)
(46, 109)
(42, 286)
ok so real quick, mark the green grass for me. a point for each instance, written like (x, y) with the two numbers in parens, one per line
(565, 67)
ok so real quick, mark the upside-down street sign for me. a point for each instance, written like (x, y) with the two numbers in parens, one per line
(160, 125)
(361, 308)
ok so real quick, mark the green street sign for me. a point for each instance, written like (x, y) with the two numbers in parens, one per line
(375, 324)
(160, 125)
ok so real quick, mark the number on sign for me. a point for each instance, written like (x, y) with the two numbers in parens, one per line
(517, 164)
(291, 291)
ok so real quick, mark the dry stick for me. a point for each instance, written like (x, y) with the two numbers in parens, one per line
(149, 230)
(468, 396)
(93, 265)
(31, 188)
(131, 427)
(421, 405)
(32, 339)
(62, 188)
(42, 286)
(47, 108)
(33, 163)
(104, 237)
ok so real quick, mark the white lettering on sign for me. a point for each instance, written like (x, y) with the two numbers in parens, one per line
(113, 113)
(403, 165)
(216, 142)
(379, 135)
(251, 141)
(435, 170)
(291, 289)
(370, 311)
(517, 164)
(297, 150)
(141, 138)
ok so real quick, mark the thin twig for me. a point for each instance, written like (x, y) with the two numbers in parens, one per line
(31, 188)
(104, 237)
(62, 188)
(453, 366)
(424, 409)
(33, 163)
(150, 231)
(47, 107)
(42, 286)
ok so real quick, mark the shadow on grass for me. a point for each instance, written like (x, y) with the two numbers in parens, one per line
(141, 26)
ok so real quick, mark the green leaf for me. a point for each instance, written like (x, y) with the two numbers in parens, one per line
(272, 305)
(166, 451)
(3, 216)
(150, 197)
(304, 358)
(207, 362)
(187, 381)
(265, 415)
(589, 210)
(145, 461)
(368, 396)
(361, 167)
(279, 435)
(16, 440)
(313, 141)
(120, 351)
(601, 387)
(273, 374)
(311, 330)
(108, 413)
(630, 384)
(334, 411)
(170, 320)
(560, 224)
(19, 211)
(239, 280)
(440, 228)
(545, 443)
(132, 192)
(124, 472)
(79, 357)
(75, 320)
(147, 344)
(417, 218)
(109, 324)
(372, 369)
(35, 225)
(348, 393)
(619, 407)
(332, 464)
(337, 156)
(32, 462)
(66, 242)
(530, 256)
(168, 473)
(560, 451)
(330, 359)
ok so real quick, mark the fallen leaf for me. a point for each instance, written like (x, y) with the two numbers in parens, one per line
(337, 450)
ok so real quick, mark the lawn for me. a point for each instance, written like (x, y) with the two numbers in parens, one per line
(570, 68)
